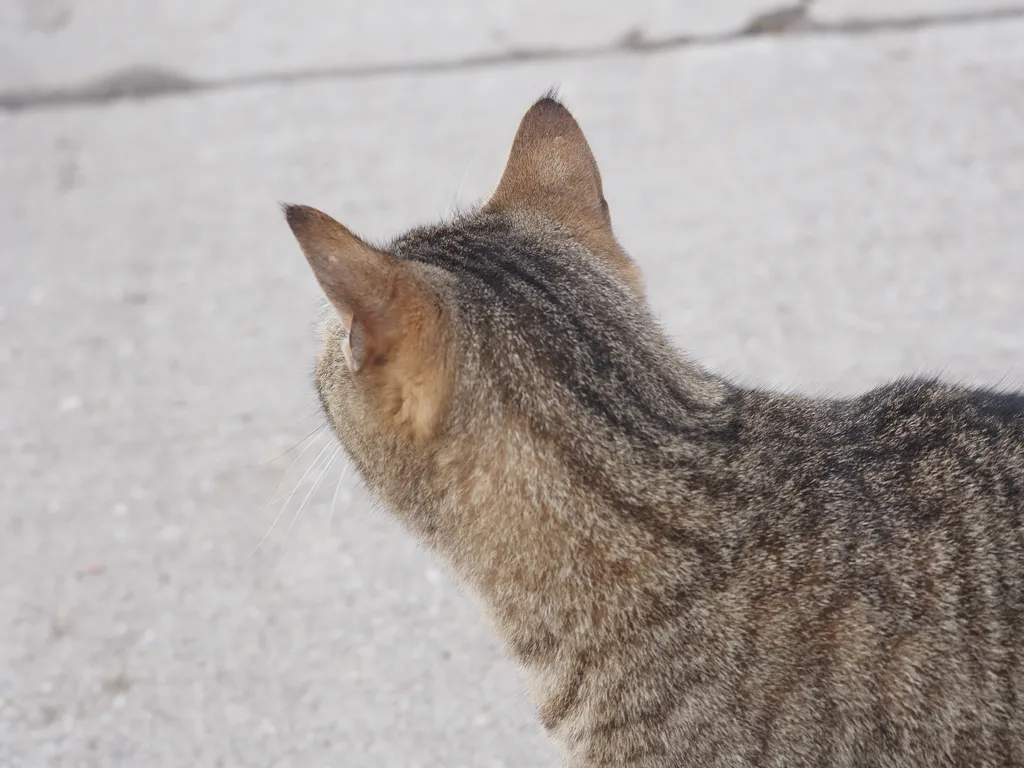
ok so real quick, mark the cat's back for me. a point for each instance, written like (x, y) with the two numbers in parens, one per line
(909, 496)
(873, 611)
(908, 447)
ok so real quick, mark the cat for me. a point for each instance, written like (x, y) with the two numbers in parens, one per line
(687, 572)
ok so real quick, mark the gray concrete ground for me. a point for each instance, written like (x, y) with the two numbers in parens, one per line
(821, 198)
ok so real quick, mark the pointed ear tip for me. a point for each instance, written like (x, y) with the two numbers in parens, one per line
(295, 214)
(303, 219)
(548, 113)
(549, 103)
(551, 94)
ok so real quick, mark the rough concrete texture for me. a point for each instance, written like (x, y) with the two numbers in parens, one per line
(919, 11)
(814, 211)
(52, 42)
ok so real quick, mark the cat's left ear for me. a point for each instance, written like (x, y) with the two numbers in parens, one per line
(396, 339)
(551, 171)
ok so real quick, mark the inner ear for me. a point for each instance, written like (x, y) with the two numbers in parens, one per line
(355, 346)
(551, 171)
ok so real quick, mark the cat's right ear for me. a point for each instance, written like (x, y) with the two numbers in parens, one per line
(552, 171)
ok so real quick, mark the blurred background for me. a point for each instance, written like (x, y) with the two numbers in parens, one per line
(822, 196)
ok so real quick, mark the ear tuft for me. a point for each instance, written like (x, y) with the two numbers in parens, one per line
(551, 94)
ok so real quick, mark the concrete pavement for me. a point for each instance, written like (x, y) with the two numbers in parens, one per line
(821, 205)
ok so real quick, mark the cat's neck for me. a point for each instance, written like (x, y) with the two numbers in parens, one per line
(561, 543)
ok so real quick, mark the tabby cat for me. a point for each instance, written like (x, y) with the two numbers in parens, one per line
(688, 572)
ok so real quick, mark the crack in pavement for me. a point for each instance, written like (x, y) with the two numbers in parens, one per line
(147, 82)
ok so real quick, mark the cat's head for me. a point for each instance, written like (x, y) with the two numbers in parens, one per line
(461, 346)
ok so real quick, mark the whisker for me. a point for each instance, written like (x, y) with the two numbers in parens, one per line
(323, 473)
(287, 498)
(453, 203)
(334, 499)
(296, 445)
(270, 499)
